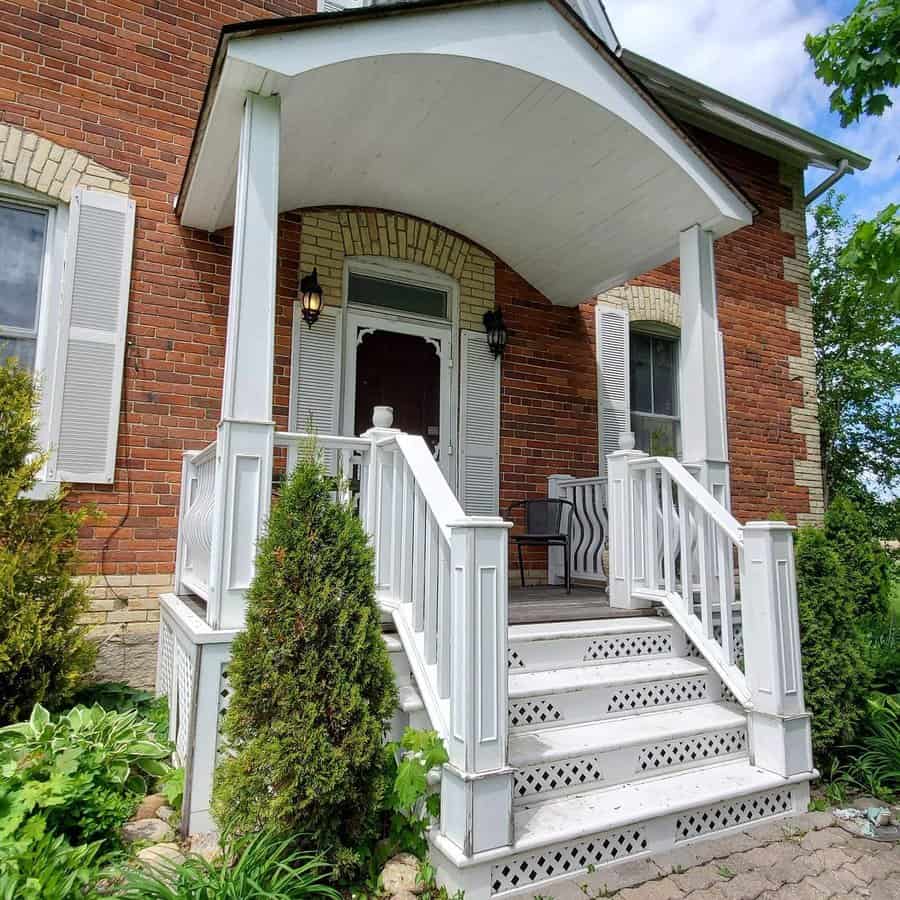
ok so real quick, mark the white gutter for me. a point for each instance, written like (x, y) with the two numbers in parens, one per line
(842, 169)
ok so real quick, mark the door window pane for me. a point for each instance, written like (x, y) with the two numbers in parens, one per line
(396, 295)
(23, 232)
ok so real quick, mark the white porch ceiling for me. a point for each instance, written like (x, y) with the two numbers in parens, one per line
(499, 121)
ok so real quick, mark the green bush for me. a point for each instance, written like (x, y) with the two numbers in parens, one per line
(866, 564)
(116, 696)
(313, 686)
(836, 674)
(79, 777)
(265, 865)
(43, 651)
(877, 768)
(47, 867)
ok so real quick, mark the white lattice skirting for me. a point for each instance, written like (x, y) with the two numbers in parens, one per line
(528, 871)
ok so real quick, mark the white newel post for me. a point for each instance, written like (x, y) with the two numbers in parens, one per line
(625, 535)
(704, 440)
(379, 490)
(476, 786)
(779, 724)
(555, 567)
(246, 430)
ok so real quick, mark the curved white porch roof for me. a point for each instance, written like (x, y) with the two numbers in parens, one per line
(507, 122)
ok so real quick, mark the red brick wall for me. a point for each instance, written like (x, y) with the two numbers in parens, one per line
(123, 81)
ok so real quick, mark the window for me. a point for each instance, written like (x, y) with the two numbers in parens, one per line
(654, 393)
(396, 295)
(23, 240)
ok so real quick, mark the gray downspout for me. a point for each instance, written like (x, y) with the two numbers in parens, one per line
(842, 169)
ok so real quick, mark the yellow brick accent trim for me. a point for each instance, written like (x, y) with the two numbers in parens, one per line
(329, 236)
(124, 603)
(40, 164)
(804, 418)
(646, 304)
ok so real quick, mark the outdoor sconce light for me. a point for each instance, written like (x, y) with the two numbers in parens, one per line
(310, 297)
(497, 333)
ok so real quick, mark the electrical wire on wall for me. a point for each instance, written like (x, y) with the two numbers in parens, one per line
(132, 359)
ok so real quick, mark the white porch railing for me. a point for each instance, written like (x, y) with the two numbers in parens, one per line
(590, 528)
(444, 576)
(673, 543)
(195, 522)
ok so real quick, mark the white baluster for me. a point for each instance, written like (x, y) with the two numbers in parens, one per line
(431, 589)
(417, 549)
(668, 555)
(444, 626)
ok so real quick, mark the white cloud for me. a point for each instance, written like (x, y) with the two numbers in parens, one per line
(751, 49)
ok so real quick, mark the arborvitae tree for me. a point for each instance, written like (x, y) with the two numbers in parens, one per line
(868, 565)
(313, 687)
(836, 675)
(44, 653)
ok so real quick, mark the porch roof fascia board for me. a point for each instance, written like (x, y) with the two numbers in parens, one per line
(696, 103)
(258, 27)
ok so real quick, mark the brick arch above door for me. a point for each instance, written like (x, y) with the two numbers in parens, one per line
(37, 163)
(329, 236)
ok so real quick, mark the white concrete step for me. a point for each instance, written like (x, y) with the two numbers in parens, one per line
(552, 762)
(593, 693)
(562, 837)
(568, 644)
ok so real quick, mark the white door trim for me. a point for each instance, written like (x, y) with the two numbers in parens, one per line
(442, 331)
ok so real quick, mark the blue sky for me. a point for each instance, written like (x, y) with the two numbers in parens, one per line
(753, 49)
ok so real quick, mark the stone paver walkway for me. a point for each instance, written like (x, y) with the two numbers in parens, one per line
(806, 857)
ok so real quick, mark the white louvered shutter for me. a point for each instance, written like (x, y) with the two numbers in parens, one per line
(479, 427)
(613, 398)
(316, 372)
(91, 353)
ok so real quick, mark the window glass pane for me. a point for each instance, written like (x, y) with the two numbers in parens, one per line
(395, 295)
(664, 377)
(655, 435)
(640, 350)
(20, 348)
(22, 234)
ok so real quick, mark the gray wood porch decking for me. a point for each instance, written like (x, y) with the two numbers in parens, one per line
(533, 604)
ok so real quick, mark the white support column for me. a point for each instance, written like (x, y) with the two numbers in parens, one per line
(555, 567)
(244, 446)
(476, 786)
(703, 422)
(626, 544)
(779, 723)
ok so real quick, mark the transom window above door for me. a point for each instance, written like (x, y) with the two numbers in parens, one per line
(654, 393)
(399, 296)
(23, 239)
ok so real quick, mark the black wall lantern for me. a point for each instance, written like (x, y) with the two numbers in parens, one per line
(310, 297)
(497, 332)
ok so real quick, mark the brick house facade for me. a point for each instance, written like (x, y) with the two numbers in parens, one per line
(107, 94)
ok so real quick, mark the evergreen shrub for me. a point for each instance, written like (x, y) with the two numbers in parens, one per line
(44, 653)
(313, 688)
(867, 564)
(836, 673)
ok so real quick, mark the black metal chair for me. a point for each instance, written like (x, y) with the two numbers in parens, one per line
(544, 528)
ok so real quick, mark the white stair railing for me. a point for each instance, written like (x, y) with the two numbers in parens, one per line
(443, 576)
(683, 550)
(673, 543)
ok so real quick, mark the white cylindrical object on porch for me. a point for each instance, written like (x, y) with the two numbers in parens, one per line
(383, 416)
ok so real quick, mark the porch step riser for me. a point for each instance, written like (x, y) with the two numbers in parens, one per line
(533, 870)
(577, 774)
(564, 653)
(600, 702)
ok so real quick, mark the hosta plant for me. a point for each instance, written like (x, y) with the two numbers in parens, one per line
(79, 776)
